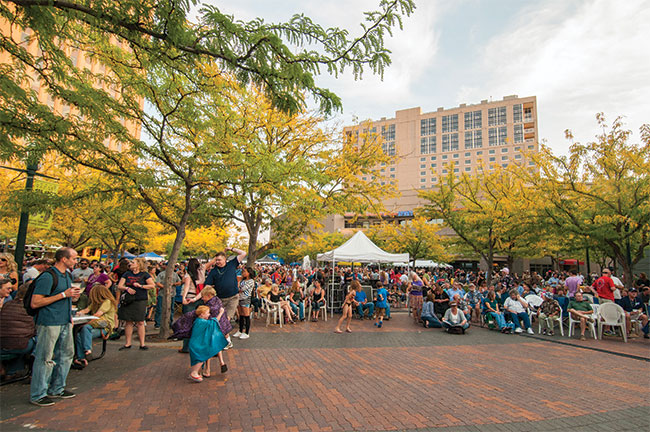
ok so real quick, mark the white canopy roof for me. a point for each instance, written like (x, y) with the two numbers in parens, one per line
(426, 263)
(360, 248)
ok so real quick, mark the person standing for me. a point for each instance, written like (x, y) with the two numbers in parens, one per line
(572, 283)
(246, 288)
(604, 287)
(54, 344)
(133, 303)
(223, 277)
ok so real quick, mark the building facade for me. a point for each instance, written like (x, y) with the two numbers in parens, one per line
(428, 145)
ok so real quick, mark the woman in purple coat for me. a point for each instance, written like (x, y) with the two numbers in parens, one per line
(183, 326)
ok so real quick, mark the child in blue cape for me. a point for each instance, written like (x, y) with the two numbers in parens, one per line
(381, 304)
(206, 342)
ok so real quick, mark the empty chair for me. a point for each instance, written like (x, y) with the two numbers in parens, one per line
(611, 314)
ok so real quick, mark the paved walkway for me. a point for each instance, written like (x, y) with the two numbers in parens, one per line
(400, 377)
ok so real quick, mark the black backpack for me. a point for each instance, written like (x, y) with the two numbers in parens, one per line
(27, 300)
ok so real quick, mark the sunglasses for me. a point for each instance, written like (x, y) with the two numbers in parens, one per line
(3, 259)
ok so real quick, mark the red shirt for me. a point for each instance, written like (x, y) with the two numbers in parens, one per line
(604, 285)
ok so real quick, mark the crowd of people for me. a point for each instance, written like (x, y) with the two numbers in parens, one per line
(213, 301)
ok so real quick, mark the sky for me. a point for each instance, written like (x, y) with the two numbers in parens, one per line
(579, 57)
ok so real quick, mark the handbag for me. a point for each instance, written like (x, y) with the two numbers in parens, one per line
(126, 299)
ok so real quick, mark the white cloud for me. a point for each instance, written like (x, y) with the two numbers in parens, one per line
(577, 62)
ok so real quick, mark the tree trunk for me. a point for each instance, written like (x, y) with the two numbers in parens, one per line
(252, 247)
(165, 330)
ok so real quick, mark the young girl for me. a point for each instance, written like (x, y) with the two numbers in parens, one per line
(347, 308)
(206, 342)
(381, 304)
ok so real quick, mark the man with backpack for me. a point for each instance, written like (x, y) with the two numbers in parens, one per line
(51, 303)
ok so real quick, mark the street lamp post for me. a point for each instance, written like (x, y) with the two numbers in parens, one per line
(629, 255)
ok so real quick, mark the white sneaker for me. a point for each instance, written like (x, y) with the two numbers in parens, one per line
(237, 334)
(530, 331)
(518, 330)
(244, 336)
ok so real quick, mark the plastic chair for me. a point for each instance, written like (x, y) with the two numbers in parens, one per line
(611, 314)
(273, 311)
(322, 308)
(590, 324)
(535, 301)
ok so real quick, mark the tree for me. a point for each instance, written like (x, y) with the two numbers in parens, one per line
(600, 192)
(291, 173)
(482, 209)
(151, 53)
(315, 242)
(419, 239)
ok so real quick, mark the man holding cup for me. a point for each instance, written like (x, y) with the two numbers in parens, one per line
(54, 343)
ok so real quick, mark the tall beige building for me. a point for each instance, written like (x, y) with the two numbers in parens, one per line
(489, 133)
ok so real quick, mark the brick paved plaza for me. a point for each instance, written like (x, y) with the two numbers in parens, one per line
(400, 377)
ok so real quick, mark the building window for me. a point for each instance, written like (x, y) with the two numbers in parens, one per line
(428, 145)
(473, 139)
(517, 113)
(388, 134)
(473, 120)
(519, 133)
(455, 155)
(433, 158)
(479, 153)
(428, 126)
(504, 165)
(497, 116)
(433, 165)
(468, 169)
(467, 154)
(423, 173)
(528, 114)
(467, 161)
(492, 159)
(456, 170)
(444, 157)
(492, 136)
(503, 135)
(530, 147)
(444, 171)
(504, 158)
(518, 156)
(492, 151)
(423, 159)
(450, 123)
(423, 166)
(450, 142)
(504, 150)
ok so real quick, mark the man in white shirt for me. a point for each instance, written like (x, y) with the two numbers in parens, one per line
(618, 284)
(517, 306)
(38, 267)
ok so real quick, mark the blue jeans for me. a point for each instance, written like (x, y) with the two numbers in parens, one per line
(298, 309)
(17, 364)
(447, 325)
(52, 358)
(520, 316)
(369, 306)
(84, 340)
(500, 319)
(158, 314)
(387, 310)
(432, 321)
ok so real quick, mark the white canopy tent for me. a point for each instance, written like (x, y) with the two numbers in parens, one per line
(359, 248)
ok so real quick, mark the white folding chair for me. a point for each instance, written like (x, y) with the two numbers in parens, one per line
(535, 301)
(322, 308)
(273, 312)
(590, 324)
(611, 314)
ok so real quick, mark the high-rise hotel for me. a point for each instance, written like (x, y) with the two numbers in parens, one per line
(489, 133)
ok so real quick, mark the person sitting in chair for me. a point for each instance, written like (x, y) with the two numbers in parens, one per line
(633, 307)
(362, 300)
(517, 306)
(580, 309)
(454, 318)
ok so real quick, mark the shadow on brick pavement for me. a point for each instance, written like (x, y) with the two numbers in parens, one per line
(400, 377)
